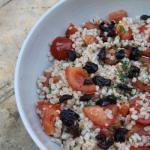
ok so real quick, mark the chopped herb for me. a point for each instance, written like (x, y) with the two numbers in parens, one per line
(101, 63)
(78, 55)
(119, 97)
(126, 94)
(121, 28)
(123, 75)
(125, 65)
(50, 89)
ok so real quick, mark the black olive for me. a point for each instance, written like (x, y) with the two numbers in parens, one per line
(111, 25)
(103, 26)
(119, 135)
(72, 55)
(65, 97)
(104, 38)
(68, 117)
(109, 28)
(102, 54)
(90, 67)
(124, 87)
(133, 72)
(86, 97)
(104, 145)
(101, 81)
(103, 142)
(144, 17)
(120, 54)
(135, 53)
(74, 130)
(100, 137)
(88, 82)
(110, 99)
(111, 33)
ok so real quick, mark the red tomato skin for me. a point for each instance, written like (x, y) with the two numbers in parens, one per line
(48, 113)
(75, 77)
(100, 119)
(138, 128)
(139, 148)
(124, 110)
(71, 30)
(117, 15)
(59, 47)
(142, 86)
(89, 39)
(126, 35)
(90, 25)
(142, 28)
(143, 121)
(146, 53)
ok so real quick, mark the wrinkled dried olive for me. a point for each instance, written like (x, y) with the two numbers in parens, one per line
(74, 130)
(144, 17)
(72, 55)
(103, 26)
(88, 82)
(119, 135)
(110, 99)
(120, 54)
(90, 67)
(104, 142)
(102, 54)
(108, 27)
(135, 53)
(68, 117)
(111, 25)
(104, 38)
(111, 33)
(100, 137)
(133, 72)
(101, 81)
(86, 97)
(65, 97)
(124, 87)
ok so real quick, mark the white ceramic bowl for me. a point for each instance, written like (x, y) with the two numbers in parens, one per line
(33, 59)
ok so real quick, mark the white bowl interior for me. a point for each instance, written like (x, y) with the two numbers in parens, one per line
(33, 57)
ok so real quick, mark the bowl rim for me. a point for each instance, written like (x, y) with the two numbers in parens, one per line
(16, 78)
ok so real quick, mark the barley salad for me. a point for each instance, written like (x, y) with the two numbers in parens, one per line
(96, 95)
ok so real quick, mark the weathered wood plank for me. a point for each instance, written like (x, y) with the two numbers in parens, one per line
(16, 19)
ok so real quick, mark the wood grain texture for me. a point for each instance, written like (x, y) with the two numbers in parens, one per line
(16, 19)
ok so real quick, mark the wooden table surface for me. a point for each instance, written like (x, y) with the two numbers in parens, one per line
(16, 19)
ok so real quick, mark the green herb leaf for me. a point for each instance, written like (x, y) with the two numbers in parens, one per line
(101, 63)
(50, 89)
(78, 55)
(125, 65)
(123, 75)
